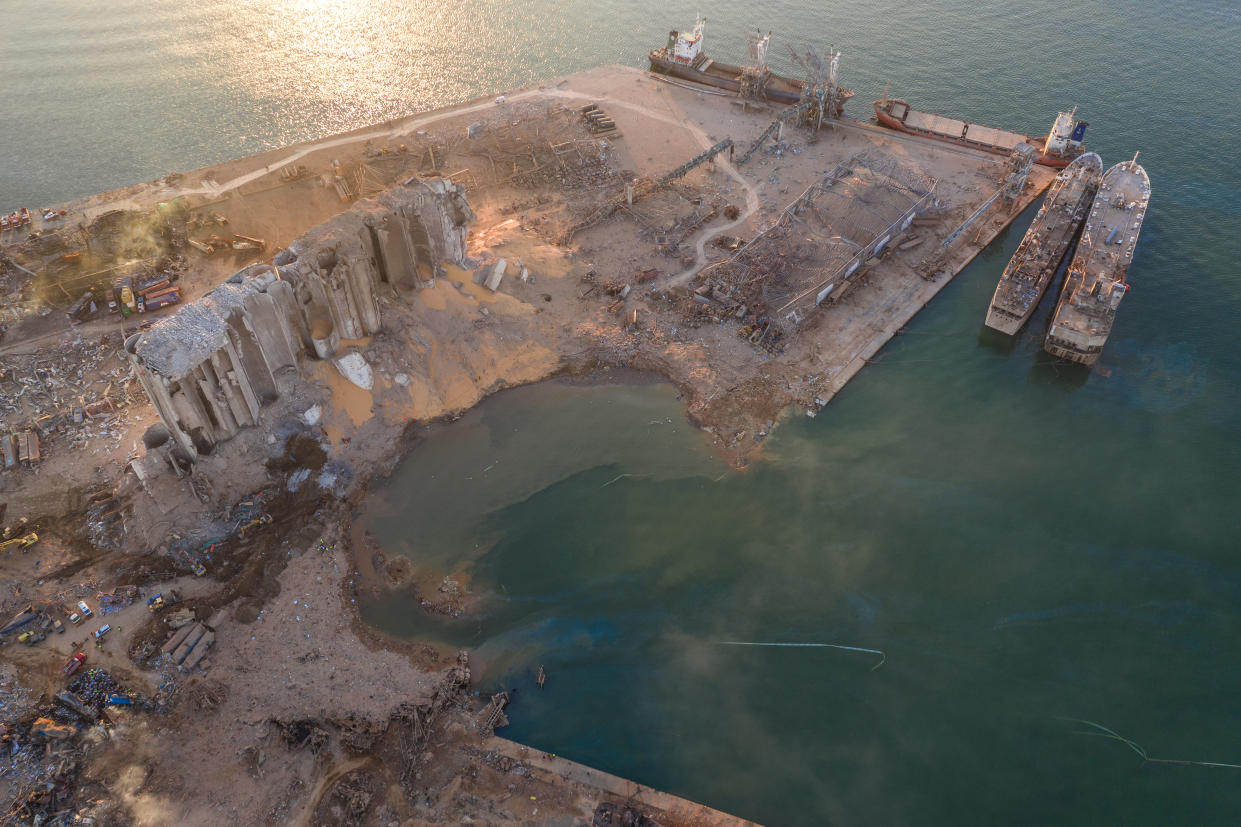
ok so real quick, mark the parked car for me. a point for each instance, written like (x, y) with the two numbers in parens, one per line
(75, 618)
(103, 630)
(84, 609)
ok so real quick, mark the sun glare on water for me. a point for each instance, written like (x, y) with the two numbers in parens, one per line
(337, 64)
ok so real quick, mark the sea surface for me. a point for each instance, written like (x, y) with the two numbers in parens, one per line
(1031, 546)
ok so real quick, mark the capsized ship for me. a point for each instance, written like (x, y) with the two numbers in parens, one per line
(1058, 149)
(1097, 276)
(1040, 253)
(684, 58)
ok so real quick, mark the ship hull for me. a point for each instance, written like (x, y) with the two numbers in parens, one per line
(1046, 244)
(723, 76)
(885, 118)
(1011, 325)
(1098, 274)
(727, 77)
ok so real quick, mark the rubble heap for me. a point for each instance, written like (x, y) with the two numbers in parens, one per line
(211, 366)
(821, 241)
(65, 396)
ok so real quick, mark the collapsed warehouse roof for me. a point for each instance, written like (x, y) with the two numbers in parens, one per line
(820, 241)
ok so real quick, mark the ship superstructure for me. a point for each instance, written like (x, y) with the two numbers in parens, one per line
(1097, 278)
(1040, 253)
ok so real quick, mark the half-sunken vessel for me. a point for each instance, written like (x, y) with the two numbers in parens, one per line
(1049, 238)
(1097, 278)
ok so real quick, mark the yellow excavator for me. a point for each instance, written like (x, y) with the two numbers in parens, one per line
(22, 543)
(263, 520)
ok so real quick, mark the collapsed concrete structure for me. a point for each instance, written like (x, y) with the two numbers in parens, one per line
(210, 367)
(823, 239)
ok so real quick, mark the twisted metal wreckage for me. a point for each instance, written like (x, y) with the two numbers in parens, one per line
(819, 243)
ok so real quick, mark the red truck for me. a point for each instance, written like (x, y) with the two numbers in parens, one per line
(75, 663)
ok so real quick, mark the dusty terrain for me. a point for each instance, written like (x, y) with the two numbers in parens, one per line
(299, 713)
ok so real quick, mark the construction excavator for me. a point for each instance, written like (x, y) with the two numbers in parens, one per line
(22, 543)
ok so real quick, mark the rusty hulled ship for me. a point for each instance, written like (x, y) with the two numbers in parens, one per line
(684, 58)
(1058, 149)
(1097, 275)
(1040, 253)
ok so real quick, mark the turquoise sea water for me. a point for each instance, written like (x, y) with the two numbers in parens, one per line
(1026, 542)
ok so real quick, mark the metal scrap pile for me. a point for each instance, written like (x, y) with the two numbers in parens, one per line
(40, 747)
(193, 552)
(94, 686)
(251, 511)
(13, 696)
(74, 393)
(105, 523)
(820, 242)
(46, 786)
(15, 283)
(539, 148)
(117, 599)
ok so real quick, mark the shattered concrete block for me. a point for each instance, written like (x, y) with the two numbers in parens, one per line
(497, 275)
(357, 370)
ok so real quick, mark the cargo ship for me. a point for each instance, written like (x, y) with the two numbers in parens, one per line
(1097, 275)
(1058, 149)
(684, 58)
(1040, 253)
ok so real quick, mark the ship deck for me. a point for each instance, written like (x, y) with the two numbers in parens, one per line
(1118, 211)
(1043, 248)
(1083, 319)
(956, 128)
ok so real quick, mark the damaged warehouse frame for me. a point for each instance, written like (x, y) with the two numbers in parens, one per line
(212, 365)
(821, 241)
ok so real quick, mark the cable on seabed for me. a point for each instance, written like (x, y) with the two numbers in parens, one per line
(884, 657)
